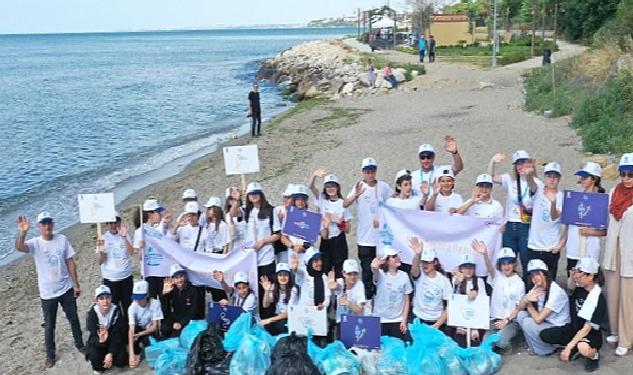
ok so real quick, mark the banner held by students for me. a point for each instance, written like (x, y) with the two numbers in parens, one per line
(241, 160)
(96, 208)
(450, 236)
(463, 312)
(303, 224)
(224, 315)
(585, 209)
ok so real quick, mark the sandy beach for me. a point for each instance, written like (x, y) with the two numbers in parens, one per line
(449, 99)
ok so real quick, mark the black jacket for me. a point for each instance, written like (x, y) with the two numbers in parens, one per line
(117, 332)
(179, 305)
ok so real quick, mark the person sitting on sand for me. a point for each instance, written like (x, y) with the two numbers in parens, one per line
(144, 316)
(106, 324)
(179, 301)
(427, 172)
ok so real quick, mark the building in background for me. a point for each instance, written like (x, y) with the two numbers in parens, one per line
(451, 29)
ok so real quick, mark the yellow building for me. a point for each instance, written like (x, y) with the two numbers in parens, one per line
(450, 29)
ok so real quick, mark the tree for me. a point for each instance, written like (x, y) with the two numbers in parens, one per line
(582, 18)
(422, 12)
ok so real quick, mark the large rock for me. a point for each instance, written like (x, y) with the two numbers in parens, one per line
(347, 89)
(399, 74)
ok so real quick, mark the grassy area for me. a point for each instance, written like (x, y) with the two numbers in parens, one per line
(301, 106)
(380, 62)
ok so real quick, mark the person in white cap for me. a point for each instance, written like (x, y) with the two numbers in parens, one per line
(545, 305)
(590, 182)
(404, 194)
(190, 195)
(547, 235)
(481, 204)
(293, 243)
(618, 259)
(330, 202)
(281, 251)
(444, 198)
(240, 294)
(520, 188)
(106, 324)
(144, 316)
(114, 255)
(508, 289)
(179, 301)
(56, 278)
(368, 193)
(432, 287)
(349, 292)
(393, 287)
(588, 310)
(466, 282)
(424, 178)
(215, 228)
(281, 293)
(154, 216)
(237, 226)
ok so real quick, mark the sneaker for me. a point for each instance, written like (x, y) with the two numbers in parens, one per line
(612, 340)
(50, 362)
(591, 365)
(82, 350)
(621, 351)
(95, 372)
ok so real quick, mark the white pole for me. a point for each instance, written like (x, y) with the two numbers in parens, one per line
(494, 36)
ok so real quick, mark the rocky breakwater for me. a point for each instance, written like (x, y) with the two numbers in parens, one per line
(328, 69)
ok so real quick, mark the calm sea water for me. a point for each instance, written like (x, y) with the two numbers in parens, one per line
(83, 113)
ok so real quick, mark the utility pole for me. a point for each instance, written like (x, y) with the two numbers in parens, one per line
(494, 35)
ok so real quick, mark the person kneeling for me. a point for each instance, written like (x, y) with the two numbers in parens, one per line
(106, 344)
(179, 301)
(588, 310)
(144, 316)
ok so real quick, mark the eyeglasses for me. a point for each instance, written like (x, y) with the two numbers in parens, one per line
(426, 156)
(628, 174)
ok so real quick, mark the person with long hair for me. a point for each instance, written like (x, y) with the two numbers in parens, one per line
(236, 226)
(153, 216)
(349, 291)
(215, 228)
(404, 193)
(294, 244)
(281, 251)
(544, 306)
(444, 198)
(618, 259)
(280, 292)
(466, 282)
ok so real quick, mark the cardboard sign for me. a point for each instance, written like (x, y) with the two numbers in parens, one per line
(360, 331)
(469, 314)
(302, 319)
(585, 209)
(96, 208)
(225, 315)
(303, 224)
(241, 160)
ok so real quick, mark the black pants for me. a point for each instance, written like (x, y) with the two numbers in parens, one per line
(256, 122)
(49, 309)
(550, 260)
(121, 292)
(277, 328)
(563, 335)
(201, 296)
(155, 286)
(142, 341)
(167, 330)
(393, 330)
(366, 254)
(333, 253)
(97, 353)
(431, 56)
(431, 322)
(269, 271)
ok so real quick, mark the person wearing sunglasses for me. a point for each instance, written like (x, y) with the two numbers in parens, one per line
(424, 178)
(618, 259)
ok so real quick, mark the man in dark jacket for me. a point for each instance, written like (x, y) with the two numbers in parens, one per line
(107, 327)
(179, 301)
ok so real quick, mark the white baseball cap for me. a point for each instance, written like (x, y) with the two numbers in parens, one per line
(445, 171)
(240, 277)
(588, 265)
(214, 202)
(289, 189)
(388, 251)
(428, 255)
(426, 148)
(506, 253)
(44, 216)
(536, 265)
(590, 169)
(626, 162)
(520, 155)
(467, 260)
(330, 178)
(192, 208)
(368, 163)
(483, 178)
(553, 167)
(282, 267)
(402, 172)
(176, 268)
(350, 265)
(300, 189)
(189, 194)
(152, 205)
(139, 291)
(254, 187)
(102, 289)
(311, 252)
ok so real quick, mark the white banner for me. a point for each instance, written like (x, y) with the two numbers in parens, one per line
(241, 160)
(463, 312)
(161, 253)
(450, 236)
(96, 208)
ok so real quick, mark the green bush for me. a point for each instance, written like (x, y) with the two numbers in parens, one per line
(540, 97)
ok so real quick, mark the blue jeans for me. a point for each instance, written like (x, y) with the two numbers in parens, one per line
(49, 308)
(516, 237)
(392, 79)
(422, 54)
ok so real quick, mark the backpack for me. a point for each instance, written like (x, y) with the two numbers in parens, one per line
(206, 352)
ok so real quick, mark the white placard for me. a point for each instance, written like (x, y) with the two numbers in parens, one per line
(304, 318)
(469, 314)
(241, 160)
(96, 208)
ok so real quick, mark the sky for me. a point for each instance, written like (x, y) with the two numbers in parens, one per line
(49, 16)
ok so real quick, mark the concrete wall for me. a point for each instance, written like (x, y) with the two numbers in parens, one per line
(449, 33)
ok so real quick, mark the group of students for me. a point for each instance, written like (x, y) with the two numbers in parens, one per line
(292, 271)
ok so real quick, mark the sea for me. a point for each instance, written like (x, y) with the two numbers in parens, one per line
(103, 112)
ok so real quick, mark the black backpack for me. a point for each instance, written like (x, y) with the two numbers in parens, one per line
(206, 352)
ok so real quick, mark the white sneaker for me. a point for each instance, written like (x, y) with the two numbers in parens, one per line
(621, 351)
(613, 339)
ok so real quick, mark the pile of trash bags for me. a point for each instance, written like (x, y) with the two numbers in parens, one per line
(169, 357)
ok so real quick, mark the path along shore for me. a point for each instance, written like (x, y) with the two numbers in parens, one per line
(448, 100)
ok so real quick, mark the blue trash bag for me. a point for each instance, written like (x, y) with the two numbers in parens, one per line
(251, 358)
(393, 357)
(423, 360)
(263, 335)
(156, 348)
(452, 364)
(172, 361)
(336, 360)
(190, 332)
(238, 330)
(314, 352)
(426, 336)
(481, 360)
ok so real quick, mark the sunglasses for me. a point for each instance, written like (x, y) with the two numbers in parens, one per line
(427, 156)
(628, 174)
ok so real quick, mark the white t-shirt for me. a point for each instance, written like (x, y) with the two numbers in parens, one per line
(391, 290)
(118, 263)
(216, 239)
(490, 210)
(367, 210)
(430, 294)
(544, 232)
(144, 316)
(573, 244)
(236, 232)
(512, 197)
(411, 203)
(306, 292)
(481, 287)
(327, 206)
(443, 203)
(355, 295)
(187, 235)
(558, 303)
(281, 306)
(258, 229)
(50, 258)
(248, 304)
(419, 176)
(506, 294)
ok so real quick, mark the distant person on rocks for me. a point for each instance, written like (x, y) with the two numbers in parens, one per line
(56, 277)
(255, 110)
(431, 49)
(371, 74)
(422, 47)
(389, 77)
